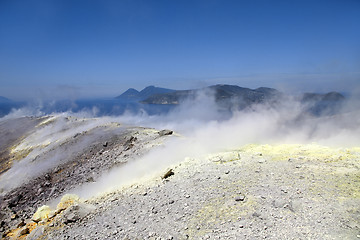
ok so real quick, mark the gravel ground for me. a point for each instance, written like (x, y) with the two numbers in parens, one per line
(255, 192)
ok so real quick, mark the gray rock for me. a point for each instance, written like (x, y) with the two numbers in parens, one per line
(21, 223)
(77, 212)
(279, 203)
(165, 132)
(25, 230)
(168, 173)
(72, 217)
(36, 233)
(240, 198)
(295, 205)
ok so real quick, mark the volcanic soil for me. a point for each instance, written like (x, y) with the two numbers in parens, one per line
(285, 191)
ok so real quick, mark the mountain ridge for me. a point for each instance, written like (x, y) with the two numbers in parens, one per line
(133, 94)
(158, 95)
(233, 97)
(222, 92)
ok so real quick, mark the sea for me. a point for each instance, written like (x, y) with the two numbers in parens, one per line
(96, 107)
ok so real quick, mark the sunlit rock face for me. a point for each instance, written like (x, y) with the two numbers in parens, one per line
(45, 157)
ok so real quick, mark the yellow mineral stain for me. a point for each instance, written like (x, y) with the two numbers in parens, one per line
(282, 152)
(47, 121)
(43, 216)
(67, 201)
(42, 213)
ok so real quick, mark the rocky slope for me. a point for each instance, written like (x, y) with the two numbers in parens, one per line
(254, 192)
(279, 191)
(46, 157)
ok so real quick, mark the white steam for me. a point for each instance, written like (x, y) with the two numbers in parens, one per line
(203, 121)
(44, 148)
(206, 129)
(206, 132)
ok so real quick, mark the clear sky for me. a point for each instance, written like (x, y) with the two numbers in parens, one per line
(103, 47)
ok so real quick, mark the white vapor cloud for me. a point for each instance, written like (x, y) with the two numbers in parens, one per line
(205, 128)
(204, 131)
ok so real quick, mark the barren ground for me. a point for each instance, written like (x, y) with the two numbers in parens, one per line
(284, 191)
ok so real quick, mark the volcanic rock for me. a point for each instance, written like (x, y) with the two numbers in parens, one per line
(165, 132)
(167, 174)
(77, 212)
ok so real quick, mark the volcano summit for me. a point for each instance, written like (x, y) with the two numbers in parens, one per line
(274, 169)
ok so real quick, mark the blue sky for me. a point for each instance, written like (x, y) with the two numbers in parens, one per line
(101, 48)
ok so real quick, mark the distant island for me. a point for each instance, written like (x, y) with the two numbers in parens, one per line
(158, 100)
(222, 93)
(235, 97)
(133, 94)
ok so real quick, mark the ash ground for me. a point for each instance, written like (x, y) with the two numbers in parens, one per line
(226, 197)
(253, 192)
